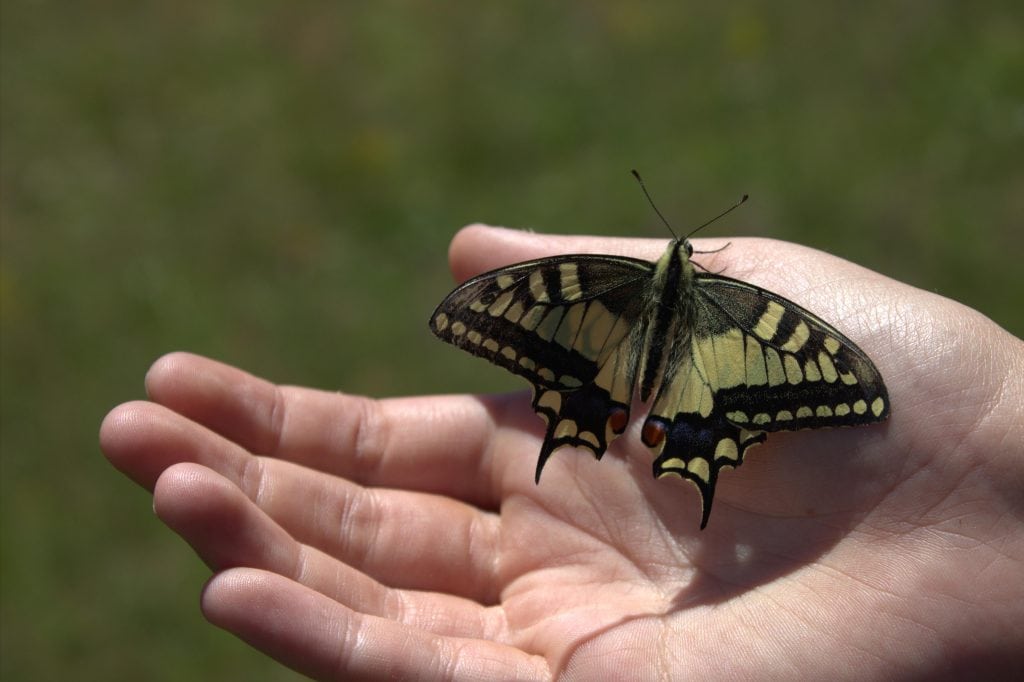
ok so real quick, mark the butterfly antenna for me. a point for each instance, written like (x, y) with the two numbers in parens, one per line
(720, 215)
(651, 202)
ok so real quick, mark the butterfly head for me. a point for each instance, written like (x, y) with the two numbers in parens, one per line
(685, 246)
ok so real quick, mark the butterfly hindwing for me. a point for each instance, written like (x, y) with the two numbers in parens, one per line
(757, 363)
(569, 325)
(813, 375)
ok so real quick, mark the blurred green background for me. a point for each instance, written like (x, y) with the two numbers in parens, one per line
(275, 185)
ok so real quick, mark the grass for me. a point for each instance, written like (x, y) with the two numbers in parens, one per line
(275, 186)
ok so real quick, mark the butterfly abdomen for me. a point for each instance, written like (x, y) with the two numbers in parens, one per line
(670, 311)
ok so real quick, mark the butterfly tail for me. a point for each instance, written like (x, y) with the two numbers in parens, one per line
(545, 452)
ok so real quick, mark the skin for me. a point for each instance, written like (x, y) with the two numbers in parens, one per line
(359, 538)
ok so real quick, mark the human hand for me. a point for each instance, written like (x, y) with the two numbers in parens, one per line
(358, 538)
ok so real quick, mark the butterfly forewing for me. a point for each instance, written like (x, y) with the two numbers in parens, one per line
(568, 325)
(555, 321)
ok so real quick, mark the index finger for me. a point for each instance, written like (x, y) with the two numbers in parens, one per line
(437, 444)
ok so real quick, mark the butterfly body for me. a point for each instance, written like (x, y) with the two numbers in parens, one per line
(720, 362)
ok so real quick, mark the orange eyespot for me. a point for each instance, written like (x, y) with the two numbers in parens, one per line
(618, 419)
(653, 433)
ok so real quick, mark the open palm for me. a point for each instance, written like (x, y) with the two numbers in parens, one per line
(359, 538)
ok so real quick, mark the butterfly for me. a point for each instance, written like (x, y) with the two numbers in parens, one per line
(720, 362)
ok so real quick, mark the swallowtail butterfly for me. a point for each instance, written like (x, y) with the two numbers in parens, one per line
(726, 362)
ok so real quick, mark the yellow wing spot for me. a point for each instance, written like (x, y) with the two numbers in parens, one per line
(527, 363)
(566, 429)
(730, 358)
(552, 400)
(757, 373)
(667, 474)
(514, 312)
(532, 317)
(784, 416)
(877, 406)
(458, 329)
(688, 392)
(804, 412)
(546, 330)
(848, 378)
(793, 373)
(479, 305)
(441, 322)
(727, 449)
(842, 409)
(712, 363)
(568, 330)
(761, 418)
(589, 438)
(600, 327)
(823, 411)
(475, 337)
(798, 338)
(612, 376)
(509, 352)
(860, 407)
(569, 382)
(698, 369)
(748, 436)
(500, 304)
(538, 289)
(505, 281)
(828, 370)
(696, 396)
(707, 401)
(699, 467)
(737, 417)
(674, 463)
(546, 374)
(570, 281)
(769, 321)
(811, 371)
(832, 345)
(491, 345)
(776, 375)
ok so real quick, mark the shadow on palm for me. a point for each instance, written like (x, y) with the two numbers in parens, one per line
(794, 499)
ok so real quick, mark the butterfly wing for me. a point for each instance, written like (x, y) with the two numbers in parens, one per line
(571, 326)
(756, 363)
